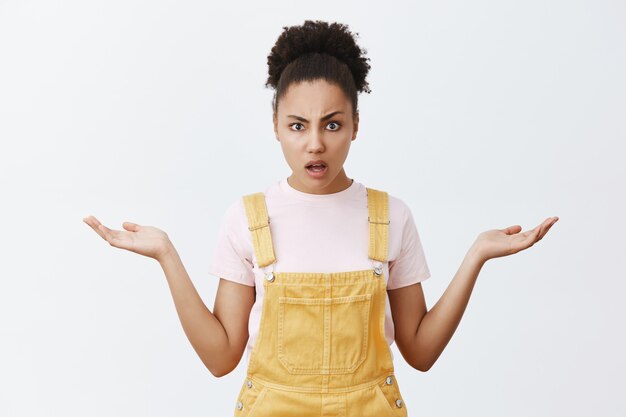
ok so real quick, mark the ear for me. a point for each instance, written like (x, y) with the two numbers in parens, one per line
(275, 120)
(355, 125)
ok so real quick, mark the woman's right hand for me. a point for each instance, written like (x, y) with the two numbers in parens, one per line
(144, 240)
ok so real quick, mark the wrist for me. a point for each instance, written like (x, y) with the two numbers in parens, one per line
(475, 255)
(167, 253)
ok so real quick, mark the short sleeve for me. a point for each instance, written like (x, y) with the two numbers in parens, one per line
(232, 258)
(410, 267)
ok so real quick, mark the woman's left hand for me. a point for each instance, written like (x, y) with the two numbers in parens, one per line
(503, 242)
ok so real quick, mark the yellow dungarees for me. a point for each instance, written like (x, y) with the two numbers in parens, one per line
(321, 347)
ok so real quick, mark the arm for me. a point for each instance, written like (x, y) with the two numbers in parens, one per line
(218, 338)
(422, 335)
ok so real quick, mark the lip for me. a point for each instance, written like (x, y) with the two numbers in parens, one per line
(316, 162)
(317, 175)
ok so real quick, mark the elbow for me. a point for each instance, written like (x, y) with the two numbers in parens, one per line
(421, 365)
(217, 373)
(424, 368)
(221, 371)
(222, 365)
(416, 358)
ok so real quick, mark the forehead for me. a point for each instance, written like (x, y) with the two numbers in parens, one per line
(313, 97)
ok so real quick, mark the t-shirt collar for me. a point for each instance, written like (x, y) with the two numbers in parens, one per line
(287, 188)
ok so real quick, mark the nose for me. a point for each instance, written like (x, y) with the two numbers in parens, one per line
(315, 142)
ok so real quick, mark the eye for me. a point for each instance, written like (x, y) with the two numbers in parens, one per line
(336, 124)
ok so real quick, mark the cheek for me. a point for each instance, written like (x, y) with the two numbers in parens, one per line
(290, 146)
(290, 150)
(343, 145)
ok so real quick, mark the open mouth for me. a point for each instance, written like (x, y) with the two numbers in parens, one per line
(316, 169)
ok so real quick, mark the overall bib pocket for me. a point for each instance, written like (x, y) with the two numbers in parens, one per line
(322, 335)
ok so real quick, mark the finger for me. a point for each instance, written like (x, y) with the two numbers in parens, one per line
(94, 224)
(549, 224)
(543, 228)
(530, 232)
(530, 237)
(133, 227)
(511, 230)
(108, 233)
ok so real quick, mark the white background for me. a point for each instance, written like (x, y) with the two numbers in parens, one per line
(482, 115)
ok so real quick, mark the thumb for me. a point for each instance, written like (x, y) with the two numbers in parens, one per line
(132, 227)
(512, 229)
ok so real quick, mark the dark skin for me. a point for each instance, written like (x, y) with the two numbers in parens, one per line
(219, 337)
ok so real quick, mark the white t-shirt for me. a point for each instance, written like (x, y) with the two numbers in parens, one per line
(317, 233)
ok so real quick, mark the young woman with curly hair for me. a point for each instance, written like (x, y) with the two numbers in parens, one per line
(319, 274)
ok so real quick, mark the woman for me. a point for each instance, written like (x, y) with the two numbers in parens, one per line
(318, 294)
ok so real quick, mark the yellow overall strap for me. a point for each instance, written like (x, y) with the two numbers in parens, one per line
(378, 208)
(259, 226)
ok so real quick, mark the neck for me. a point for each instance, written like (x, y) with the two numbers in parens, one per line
(340, 183)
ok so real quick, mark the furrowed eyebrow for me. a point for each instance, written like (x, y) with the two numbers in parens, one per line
(328, 116)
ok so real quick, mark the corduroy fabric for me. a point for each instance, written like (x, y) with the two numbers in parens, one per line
(321, 348)
(259, 226)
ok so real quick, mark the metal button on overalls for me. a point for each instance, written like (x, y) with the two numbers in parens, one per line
(321, 348)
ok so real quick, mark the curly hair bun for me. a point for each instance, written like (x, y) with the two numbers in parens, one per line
(333, 39)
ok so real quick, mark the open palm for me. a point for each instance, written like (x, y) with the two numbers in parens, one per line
(144, 240)
(502, 242)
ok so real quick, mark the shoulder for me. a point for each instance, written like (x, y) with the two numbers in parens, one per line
(399, 211)
(398, 205)
(236, 211)
(269, 193)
